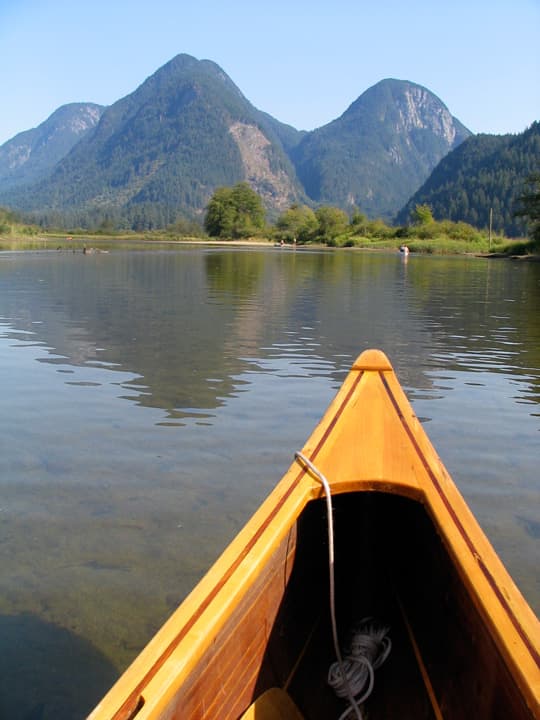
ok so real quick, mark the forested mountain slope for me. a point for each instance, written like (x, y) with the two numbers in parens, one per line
(485, 172)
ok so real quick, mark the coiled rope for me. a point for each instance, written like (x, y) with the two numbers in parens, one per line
(368, 648)
(369, 645)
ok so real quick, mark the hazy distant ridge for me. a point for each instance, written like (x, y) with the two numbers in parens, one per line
(32, 154)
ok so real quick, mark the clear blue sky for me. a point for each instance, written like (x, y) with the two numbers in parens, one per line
(302, 61)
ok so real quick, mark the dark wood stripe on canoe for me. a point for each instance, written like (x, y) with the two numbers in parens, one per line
(485, 570)
(131, 703)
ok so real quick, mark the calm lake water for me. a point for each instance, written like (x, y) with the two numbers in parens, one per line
(151, 399)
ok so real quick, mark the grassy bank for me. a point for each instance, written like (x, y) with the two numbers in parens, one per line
(438, 238)
(433, 246)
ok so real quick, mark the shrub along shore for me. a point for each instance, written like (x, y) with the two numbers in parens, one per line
(336, 231)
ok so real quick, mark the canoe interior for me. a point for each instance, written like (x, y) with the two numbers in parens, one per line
(390, 565)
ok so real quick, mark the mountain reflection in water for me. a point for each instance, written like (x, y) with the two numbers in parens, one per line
(150, 400)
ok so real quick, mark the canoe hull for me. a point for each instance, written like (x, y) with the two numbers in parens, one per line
(408, 550)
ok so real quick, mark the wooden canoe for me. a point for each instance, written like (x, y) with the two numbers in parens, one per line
(253, 638)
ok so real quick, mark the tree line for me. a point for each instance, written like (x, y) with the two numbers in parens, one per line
(238, 212)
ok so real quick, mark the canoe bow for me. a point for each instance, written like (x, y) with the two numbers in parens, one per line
(368, 440)
(371, 439)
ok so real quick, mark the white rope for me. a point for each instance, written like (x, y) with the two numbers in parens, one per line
(369, 645)
(328, 494)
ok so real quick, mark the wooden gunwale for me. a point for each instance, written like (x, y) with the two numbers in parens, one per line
(463, 532)
(299, 487)
(132, 701)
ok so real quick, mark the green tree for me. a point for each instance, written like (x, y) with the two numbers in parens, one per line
(249, 208)
(530, 205)
(358, 220)
(234, 212)
(332, 223)
(220, 213)
(298, 223)
(185, 227)
(422, 215)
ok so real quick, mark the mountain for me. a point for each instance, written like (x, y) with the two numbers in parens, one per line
(31, 155)
(167, 146)
(383, 147)
(159, 153)
(486, 172)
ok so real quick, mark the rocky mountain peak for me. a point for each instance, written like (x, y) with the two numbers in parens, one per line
(418, 108)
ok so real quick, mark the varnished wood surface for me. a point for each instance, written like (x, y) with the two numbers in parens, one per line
(250, 623)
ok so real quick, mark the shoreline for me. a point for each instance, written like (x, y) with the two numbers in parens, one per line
(74, 241)
(78, 243)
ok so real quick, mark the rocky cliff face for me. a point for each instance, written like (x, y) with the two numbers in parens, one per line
(274, 184)
(31, 155)
(418, 108)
